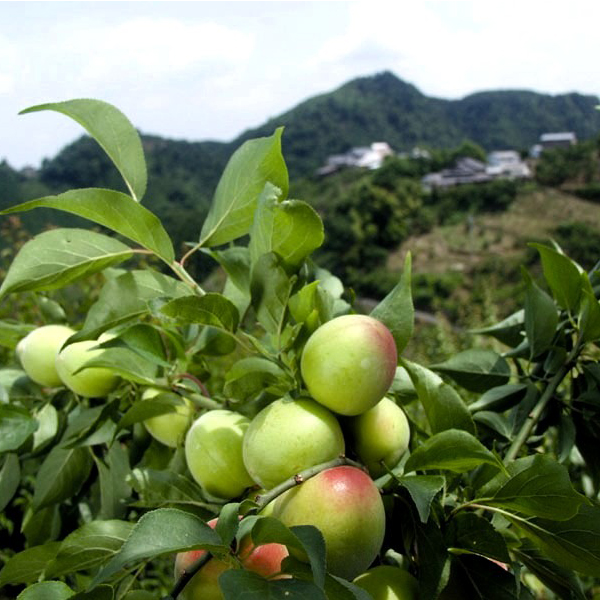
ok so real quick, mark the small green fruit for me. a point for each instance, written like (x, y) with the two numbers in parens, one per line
(386, 582)
(348, 364)
(380, 435)
(213, 453)
(91, 382)
(169, 428)
(289, 436)
(37, 353)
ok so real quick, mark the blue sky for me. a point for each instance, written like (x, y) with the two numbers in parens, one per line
(209, 70)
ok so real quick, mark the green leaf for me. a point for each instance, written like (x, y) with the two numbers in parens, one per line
(476, 369)
(481, 579)
(125, 298)
(443, 406)
(291, 228)
(114, 489)
(468, 532)
(542, 490)
(423, 489)
(541, 317)
(89, 546)
(589, 317)
(251, 375)
(252, 165)
(396, 310)
(572, 544)
(235, 261)
(61, 475)
(562, 275)
(143, 339)
(452, 450)
(125, 363)
(28, 565)
(508, 331)
(110, 209)
(11, 333)
(563, 582)
(103, 592)
(159, 532)
(46, 590)
(113, 131)
(48, 423)
(10, 477)
(212, 309)
(271, 290)
(157, 488)
(237, 583)
(500, 398)
(434, 568)
(58, 257)
(16, 425)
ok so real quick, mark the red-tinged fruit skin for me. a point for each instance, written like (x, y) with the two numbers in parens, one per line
(348, 363)
(386, 582)
(204, 585)
(264, 560)
(346, 506)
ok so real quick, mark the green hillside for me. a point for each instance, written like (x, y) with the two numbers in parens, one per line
(367, 214)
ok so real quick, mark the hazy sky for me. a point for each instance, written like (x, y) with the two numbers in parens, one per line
(209, 70)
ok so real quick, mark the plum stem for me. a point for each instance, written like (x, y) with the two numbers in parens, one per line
(301, 477)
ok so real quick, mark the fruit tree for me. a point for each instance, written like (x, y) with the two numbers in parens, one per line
(267, 440)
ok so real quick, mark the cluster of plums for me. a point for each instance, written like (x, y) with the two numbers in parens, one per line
(347, 367)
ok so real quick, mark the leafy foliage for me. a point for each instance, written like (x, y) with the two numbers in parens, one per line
(501, 481)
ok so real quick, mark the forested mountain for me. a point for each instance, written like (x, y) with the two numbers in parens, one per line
(183, 174)
(385, 108)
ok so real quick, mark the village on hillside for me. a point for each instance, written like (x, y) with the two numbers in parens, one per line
(500, 164)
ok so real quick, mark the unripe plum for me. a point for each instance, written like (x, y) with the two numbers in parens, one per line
(204, 585)
(169, 428)
(289, 436)
(37, 353)
(346, 506)
(386, 582)
(213, 453)
(348, 364)
(91, 382)
(380, 435)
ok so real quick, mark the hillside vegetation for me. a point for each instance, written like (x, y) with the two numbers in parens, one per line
(374, 217)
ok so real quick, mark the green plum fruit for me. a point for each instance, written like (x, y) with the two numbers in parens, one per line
(348, 363)
(288, 436)
(386, 582)
(37, 353)
(213, 453)
(169, 428)
(346, 506)
(91, 382)
(380, 436)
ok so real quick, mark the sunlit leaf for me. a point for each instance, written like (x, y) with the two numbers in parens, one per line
(59, 257)
(252, 165)
(113, 131)
(113, 210)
